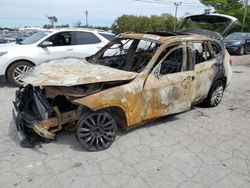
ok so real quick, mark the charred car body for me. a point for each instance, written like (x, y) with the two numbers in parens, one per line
(134, 79)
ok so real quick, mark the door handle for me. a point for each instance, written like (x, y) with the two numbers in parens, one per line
(99, 47)
(69, 49)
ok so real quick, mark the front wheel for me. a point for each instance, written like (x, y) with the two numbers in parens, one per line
(96, 131)
(242, 50)
(16, 71)
(215, 94)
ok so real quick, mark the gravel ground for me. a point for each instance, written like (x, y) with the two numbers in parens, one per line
(204, 147)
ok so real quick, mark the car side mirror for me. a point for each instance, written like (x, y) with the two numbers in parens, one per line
(46, 44)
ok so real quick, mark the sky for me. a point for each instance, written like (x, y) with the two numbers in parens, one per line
(20, 13)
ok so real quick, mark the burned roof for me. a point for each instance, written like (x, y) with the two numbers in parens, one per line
(163, 37)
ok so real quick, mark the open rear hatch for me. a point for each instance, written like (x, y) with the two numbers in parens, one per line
(211, 25)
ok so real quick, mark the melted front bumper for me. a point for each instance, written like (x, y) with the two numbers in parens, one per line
(36, 118)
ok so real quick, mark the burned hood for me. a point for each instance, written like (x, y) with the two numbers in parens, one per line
(212, 25)
(73, 71)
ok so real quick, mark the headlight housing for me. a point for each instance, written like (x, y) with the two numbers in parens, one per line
(3, 53)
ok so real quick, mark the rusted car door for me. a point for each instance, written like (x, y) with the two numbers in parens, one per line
(168, 87)
(205, 66)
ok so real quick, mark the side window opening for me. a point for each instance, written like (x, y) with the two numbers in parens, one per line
(174, 62)
(118, 49)
(201, 52)
(60, 39)
(216, 49)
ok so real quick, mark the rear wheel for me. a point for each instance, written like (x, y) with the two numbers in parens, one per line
(96, 131)
(215, 94)
(16, 71)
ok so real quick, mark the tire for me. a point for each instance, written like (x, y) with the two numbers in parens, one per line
(215, 94)
(96, 131)
(16, 70)
(242, 50)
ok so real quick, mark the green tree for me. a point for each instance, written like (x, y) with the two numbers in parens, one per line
(78, 23)
(47, 26)
(52, 20)
(126, 23)
(169, 22)
(231, 7)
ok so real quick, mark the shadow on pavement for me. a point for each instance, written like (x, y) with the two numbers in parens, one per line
(4, 83)
(69, 138)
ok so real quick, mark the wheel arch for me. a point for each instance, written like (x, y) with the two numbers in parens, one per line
(119, 115)
(223, 79)
(13, 62)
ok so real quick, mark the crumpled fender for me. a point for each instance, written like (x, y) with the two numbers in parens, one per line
(127, 97)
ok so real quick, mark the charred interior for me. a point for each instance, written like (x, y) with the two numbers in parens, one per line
(126, 54)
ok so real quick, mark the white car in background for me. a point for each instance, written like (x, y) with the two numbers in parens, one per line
(16, 59)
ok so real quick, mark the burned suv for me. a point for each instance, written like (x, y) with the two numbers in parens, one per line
(134, 79)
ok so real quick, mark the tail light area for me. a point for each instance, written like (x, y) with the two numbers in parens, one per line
(230, 61)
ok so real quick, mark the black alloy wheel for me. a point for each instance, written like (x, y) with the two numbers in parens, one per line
(215, 94)
(96, 131)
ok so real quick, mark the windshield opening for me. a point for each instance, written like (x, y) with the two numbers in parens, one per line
(126, 54)
(34, 38)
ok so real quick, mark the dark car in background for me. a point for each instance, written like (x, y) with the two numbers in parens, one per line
(237, 43)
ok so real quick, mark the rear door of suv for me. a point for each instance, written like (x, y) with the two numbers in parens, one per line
(206, 63)
(85, 43)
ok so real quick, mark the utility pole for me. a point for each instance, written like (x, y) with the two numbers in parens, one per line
(244, 18)
(86, 13)
(176, 4)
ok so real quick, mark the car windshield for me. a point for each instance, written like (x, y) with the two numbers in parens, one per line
(126, 54)
(109, 37)
(235, 36)
(34, 38)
